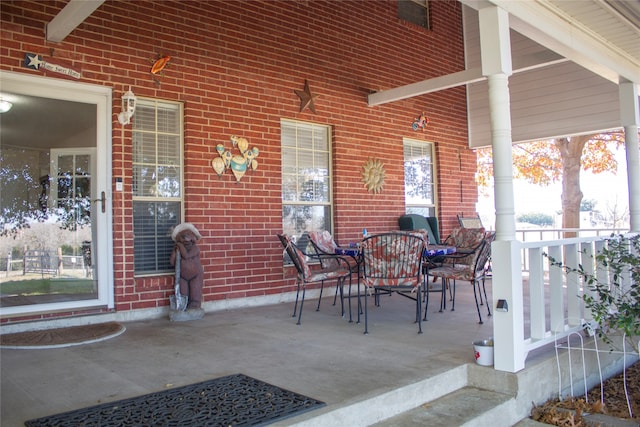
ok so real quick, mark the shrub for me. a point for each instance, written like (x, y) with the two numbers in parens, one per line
(535, 218)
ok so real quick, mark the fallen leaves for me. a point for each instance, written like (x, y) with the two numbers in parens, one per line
(569, 412)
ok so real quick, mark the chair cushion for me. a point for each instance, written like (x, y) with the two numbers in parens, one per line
(327, 274)
(306, 271)
(392, 259)
(323, 240)
(467, 238)
(455, 272)
(301, 261)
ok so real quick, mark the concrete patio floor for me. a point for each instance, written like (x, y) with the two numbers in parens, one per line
(326, 357)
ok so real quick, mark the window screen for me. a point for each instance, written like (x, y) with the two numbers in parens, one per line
(157, 183)
(414, 11)
(419, 178)
(306, 178)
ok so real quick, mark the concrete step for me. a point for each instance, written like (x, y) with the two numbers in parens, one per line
(467, 406)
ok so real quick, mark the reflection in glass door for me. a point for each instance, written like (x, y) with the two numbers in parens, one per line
(50, 241)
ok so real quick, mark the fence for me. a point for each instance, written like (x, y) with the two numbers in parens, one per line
(46, 262)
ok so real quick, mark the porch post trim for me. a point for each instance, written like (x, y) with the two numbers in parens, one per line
(629, 117)
(508, 333)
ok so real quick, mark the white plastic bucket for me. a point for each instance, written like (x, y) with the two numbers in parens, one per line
(483, 350)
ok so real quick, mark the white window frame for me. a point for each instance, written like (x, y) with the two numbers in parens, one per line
(419, 150)
(163, 233)
(288, 176)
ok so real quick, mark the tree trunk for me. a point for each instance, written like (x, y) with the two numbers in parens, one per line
(571, 153)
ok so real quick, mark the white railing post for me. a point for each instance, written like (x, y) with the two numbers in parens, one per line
(536, 293)
(574, 296)
(508, 326)
(556, 295)
(588, 265)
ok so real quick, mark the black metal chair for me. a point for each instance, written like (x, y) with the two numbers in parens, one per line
(470, 221)
(339, 271)
(324, 244)
(470, 266)
(392, 262)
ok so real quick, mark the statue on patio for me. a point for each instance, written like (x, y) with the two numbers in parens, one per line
(186, 304)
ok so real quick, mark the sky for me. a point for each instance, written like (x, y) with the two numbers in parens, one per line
(528, 198)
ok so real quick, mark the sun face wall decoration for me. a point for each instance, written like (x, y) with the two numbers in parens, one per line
(373, 175)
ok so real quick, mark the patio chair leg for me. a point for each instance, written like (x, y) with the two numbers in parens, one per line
(453, 299)
(426, 302)
(349, 297)
(485, 297)
(320, 298)
(295, 307)
(304, 289)
(366, 320)
(475, 295)
(341, 284)
(419, 310)
(335, 296)
(359, 306)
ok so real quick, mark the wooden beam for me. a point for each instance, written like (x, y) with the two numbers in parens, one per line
(73, 14)
(473, 75)
(426, 86)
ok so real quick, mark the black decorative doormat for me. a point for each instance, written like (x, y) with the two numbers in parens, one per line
(234, 400)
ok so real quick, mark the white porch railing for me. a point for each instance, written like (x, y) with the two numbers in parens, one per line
(545, 302)
(543, 234)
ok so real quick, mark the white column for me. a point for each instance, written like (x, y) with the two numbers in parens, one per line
(495, 52)
(630, 118)
(501, 146)
(508, 329)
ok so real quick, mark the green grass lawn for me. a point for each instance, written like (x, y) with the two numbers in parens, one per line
(46, 287)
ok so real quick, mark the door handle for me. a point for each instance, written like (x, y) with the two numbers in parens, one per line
(102, 200)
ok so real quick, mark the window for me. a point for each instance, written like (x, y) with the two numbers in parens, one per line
(157, 183)
(419, 178)
(306, 178)
(414, 11)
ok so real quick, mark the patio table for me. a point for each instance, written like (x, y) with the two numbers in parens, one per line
(430, 251)
(439, 250)
(354, 250)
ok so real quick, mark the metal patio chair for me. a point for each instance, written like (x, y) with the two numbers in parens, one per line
(392, 263)
(470, 264)
(324, 243)
(310, 274)
(470, 221)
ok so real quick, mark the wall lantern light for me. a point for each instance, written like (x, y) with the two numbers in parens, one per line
(128, 107)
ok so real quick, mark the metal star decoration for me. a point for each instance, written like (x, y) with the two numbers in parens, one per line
(306, 98)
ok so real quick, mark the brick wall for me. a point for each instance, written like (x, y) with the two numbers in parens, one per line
(235, 65)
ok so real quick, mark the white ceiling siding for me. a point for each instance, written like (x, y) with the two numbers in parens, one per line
(615, 31)
(561, 26)
(553, 101)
